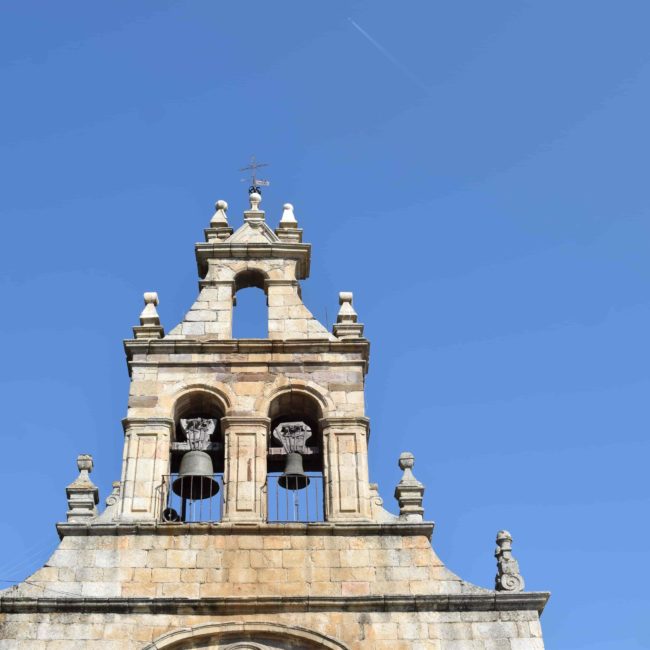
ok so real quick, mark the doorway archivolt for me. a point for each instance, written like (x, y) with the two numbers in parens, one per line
(244, 636)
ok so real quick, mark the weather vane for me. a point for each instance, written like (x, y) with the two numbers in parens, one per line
(256, 183)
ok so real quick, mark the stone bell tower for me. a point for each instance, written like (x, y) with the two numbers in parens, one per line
(244, 517)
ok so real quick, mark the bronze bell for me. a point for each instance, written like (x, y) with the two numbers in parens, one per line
(294, 477)
(195, 477)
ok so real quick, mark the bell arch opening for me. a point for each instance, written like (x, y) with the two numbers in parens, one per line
(295, 468)
(192, 491)
(250, 319)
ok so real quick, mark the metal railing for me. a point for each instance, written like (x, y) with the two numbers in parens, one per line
(289, 499)
(191, 498)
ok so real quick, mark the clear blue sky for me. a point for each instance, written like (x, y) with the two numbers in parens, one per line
(476, 172)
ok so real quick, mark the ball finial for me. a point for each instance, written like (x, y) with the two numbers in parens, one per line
(406, 460)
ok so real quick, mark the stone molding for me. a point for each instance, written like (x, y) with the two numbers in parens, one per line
(246, 346)
(396, 528)
(256, 250)
(217, 283)
(224, 630)
(147, 423)
(346, 421)
(227, 347)
(281, 282)
(490, 601)
(245, 420)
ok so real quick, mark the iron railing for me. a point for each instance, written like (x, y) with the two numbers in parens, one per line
(191, 498)
(295, 503)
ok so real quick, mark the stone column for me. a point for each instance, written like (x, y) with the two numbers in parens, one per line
(244, 479)
(145, 463)
(345, 457)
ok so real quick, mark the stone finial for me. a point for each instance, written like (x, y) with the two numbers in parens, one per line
(288, 216)
(346, 326)
(149, 327)
(219, 218)
(255, 199)
(409, 491)
(82, 493)
(149, 315)
(219, 229)
(508, 577)
(287, 229)
(254, 215)
(346, 312)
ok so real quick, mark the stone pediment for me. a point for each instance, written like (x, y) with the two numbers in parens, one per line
(253, 232)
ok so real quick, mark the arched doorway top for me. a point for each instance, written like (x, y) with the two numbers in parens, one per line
(236, 634)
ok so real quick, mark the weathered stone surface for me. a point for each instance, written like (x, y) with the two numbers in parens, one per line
(363, 579)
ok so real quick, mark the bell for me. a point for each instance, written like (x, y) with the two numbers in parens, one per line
(169, 514)
(294, 477)
(195, 477)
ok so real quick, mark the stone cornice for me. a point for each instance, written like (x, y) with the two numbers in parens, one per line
(346, 421)
(228, 347)
(246, 346)
(396, 528)
(252, 251)
(489, 601)
(147, 423)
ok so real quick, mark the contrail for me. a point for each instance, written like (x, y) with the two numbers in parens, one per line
(390, 57)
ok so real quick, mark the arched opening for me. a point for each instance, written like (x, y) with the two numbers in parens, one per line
(250, 313)
(295, 482)
(193, 489)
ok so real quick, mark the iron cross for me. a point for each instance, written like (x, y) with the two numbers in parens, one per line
(256, 183)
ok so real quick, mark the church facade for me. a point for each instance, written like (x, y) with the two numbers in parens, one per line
(244, 518)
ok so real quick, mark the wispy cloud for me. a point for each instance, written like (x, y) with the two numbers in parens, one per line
(418, 82)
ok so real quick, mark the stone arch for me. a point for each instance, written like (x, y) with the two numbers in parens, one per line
(218, 394)
(249, 280)
(251, 276)
(287, 386)
(243, 635)
(198, 401)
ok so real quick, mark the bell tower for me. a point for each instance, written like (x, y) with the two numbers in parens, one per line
(244, 516)
(294, 401)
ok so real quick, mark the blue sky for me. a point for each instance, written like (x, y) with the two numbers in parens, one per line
(475, 172)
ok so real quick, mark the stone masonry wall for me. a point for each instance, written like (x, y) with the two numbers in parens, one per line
(293, 570)
(424, 630)
(227, 564)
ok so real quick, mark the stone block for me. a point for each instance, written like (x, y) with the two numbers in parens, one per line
(181, 559)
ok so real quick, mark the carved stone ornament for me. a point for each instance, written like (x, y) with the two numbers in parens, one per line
(508, 577)
(198, 431)
(409, 491)
(114, 496)
(292, 436)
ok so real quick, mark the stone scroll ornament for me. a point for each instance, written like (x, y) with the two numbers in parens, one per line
(293, 436)
(198, 432)
(508, 577)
